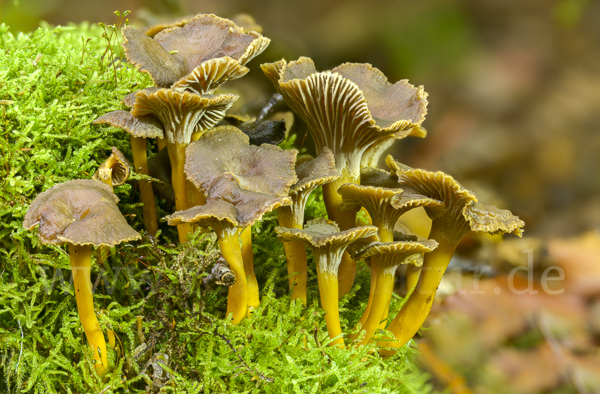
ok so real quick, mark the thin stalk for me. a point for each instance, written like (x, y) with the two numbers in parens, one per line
(81, 263)
(374, 270)
(237, 300)
(248, 258)
(345, 220)
(140, 162)
(381, 299)
(412, 276)
(385, 235)
(295, 254)
(177, 157)
(417, 307)
(328, 289)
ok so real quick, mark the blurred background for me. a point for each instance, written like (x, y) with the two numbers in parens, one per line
(514, 114)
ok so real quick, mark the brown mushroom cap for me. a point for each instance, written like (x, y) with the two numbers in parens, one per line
(182, 113)
(175, 52)
(372, 176)
(463, 211)
(490, 219)
(228, 202)
(324, 238)
(119, 168)
(224, 152)
(392, 254)
(315, 172)
(388, 104)
(143, 126)
(339, 113)
(80, 212)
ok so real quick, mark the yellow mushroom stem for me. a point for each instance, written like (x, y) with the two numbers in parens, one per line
(81, 263)
(248, 258)
(295, 254)
(328, 289)
(161, 143)
(177, 157)
(385, 235)
(412, 276)
(374, 270)
(345, 220)
(140, 162)
(381, 301)
(237, 300)
(416, 309)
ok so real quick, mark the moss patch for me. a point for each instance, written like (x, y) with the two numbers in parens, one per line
(170, 333)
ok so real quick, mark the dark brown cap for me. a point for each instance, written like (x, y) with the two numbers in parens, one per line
(225, 152)
(80, 212)
(143, 126)
(175, 52)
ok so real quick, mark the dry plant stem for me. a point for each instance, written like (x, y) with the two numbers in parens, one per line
(295, 253)
(161, 143)
(140, 162)
(81, 263)
(248, 258)
(417, 307)
(177, 157)
(345, 220)
(237, 300)
(328, 289)
(381, 300)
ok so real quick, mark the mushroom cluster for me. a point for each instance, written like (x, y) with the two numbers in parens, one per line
(225, 173)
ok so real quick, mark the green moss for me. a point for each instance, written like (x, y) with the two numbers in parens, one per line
(53, 83)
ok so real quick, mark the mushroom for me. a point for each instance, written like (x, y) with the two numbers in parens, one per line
(462, 213)
(385, 205)
(347, 109)
(267, 170)
(140, 129)
(311, 173)
(229, 207)
(179, 52)
(82, 214)
(181, 114)
(388, 257)
(328, 244)
(115, 170)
